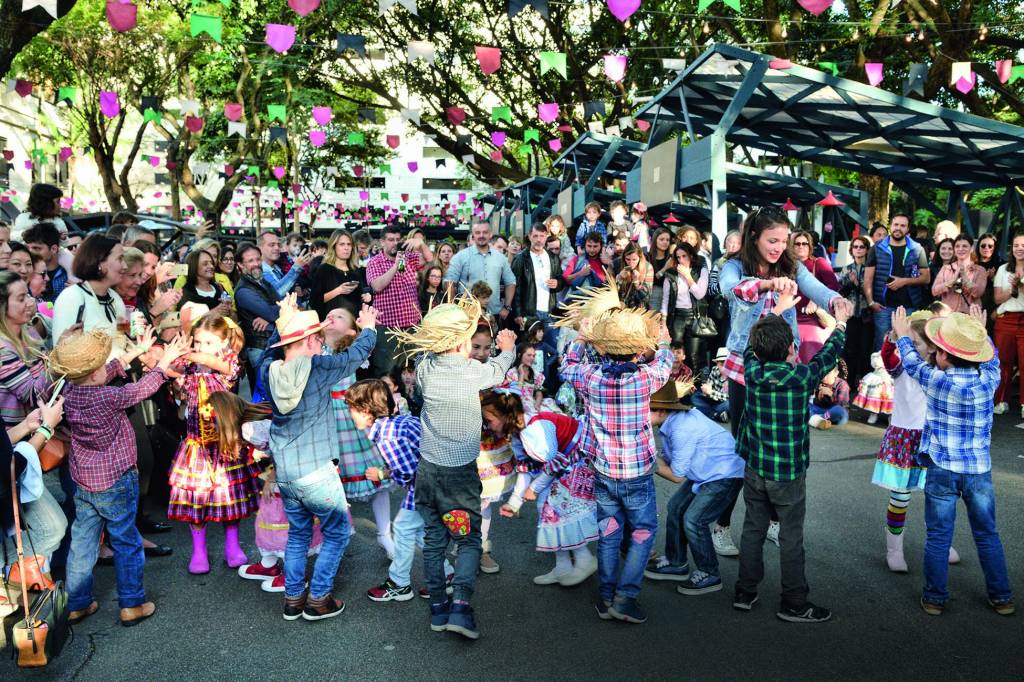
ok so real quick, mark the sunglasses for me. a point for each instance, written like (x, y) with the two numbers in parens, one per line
(859, 246)
(801, 244)
(986, 246)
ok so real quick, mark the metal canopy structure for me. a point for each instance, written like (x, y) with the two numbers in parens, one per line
(595, 155)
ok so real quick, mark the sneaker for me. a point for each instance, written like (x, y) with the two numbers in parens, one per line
(628, 610)
(461, 620)
(324, 607)
(602, 607)
(294, 606)
(258, 571)
(815, 421)
(1001, 408)
(744, 601)
(722, 540)
(773, 533)
(663, 570)
(873, 418)
(931, 608)
(1003, 608)
(700, 582)
(723, 417)
(439, 614)
(275, 584)
(389, 591)
(808, 613)
(488, 564)
(448, 578)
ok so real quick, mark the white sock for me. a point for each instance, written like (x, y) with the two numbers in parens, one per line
(582, 555)
(563, 564)
(268, 561)
(381, 503)
(485, 524)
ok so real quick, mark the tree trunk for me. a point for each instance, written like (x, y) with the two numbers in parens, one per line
(878, 198)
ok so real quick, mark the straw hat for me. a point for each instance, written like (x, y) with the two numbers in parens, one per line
(960, 335)
(445, 327)
(668, 396)
(79, 355)
(297, 327)
(625, 331)
(590, 303)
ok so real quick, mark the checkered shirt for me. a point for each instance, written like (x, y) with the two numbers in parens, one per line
(749, 291)
(397, 304)
(102, 438)
(716, 382)
(397, 439)
(958, 423)
(617, 433)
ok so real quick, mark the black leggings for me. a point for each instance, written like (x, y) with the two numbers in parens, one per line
(693, 345)
(737, 399)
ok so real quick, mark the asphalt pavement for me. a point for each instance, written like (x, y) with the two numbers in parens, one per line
(219, 627)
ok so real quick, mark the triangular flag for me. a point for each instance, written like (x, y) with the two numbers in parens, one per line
(278, 133)
(152, 115)
(489, 59)
(591, 109)
(50, 6)
(235, 128)
(384, 5)
(280, 37)
(23, 87)
(498, 138)
(366, 114)
(455, 115)
(233, 111)
(555, 144)
(121, 16)
(303, 7)
(1016, 72)
(69, 94)
(440, 163)
(384, 168)
(875, 72)
(552, 61)
(966, 84)
(393, 141)
(916, 79)
(1003, 68)
(497, 156)
(625, 122)
(322, 115)
(357, 171)
(411, 115)
(189, 107)
(150, 102)
(204, 23)
(412, 166)
(531, 134)
(615, 67)
(317, 138)
(959, 71)
(501, 113)
(355, 138)
(524, 149)
(780, 64)
(109, 104)
(351, 41)
(623, 9)
(815, 7)
(278, 112)
(421, 49)
(193, 123)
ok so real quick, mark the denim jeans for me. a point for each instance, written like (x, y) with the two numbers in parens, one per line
(448, 499)
(708, 407)
(43, 529)
(837, 414)
(687, 518)
(114, 507)
(622, 502)
(883, 323)
(941, 490)
(407, 530)
(321, 495)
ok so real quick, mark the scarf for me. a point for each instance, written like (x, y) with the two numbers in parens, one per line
(288, 381)
(106, 300)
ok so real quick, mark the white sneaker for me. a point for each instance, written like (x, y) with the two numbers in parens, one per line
(815, 421)
(1001, 408)
(722, 541)
(873, 419)
(773, 532)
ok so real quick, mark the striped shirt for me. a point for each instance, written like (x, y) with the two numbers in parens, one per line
(21, 384)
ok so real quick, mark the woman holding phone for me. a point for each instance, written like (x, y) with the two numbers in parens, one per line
(339, 282)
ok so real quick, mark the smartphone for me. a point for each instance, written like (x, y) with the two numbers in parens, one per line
(81, 314)
(56, 392)
(890, 280)
(179, 270)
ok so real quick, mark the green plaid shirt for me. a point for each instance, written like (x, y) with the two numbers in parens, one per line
(774, 436)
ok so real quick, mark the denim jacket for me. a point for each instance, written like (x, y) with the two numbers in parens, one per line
(743, 315)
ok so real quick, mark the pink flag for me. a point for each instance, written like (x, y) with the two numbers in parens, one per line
(815, 7)
(498, 138)
(615, 67)
(232, 111)
(109, 104)
(964, 84)
(489, 58)
(555, 144)
(547, 112)
(405, 198)
(193, 123)
(780, 64)
(322, 115)
(1003, 69)
(8, 154)
(229, 169)
(393, 141)
(278, 172)
(413, 166)
(303, 7)
(357, 171)
(64, 154)
(364, 195)
(462, 197)
(875, 72)
(623, 9)
(122, 16)
(456, 115)
(28, 164)
(23, 87)
(280, 37)
(317, 138)
(154, 161)
(644, 126)
(496, 156)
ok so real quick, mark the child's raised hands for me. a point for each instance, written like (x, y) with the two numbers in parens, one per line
(179, 346)
(900, 322)
(787, 299)
(506, 341)
(978, 313)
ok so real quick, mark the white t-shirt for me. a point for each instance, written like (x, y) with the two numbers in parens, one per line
(541, 275)
(25, 220)
(1002, 281)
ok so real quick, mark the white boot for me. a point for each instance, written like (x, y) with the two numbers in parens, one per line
(894, 552)
(954, 556)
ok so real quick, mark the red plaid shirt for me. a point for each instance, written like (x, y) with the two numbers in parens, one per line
(748, 290)
(102, 439)
(397, 304)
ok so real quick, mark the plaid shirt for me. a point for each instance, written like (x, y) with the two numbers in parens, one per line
(774, 435)
(397, 304)
(617, 434)
(958, 427)
(749, 291)
(716, 385)
(102, 438)
(397, 439)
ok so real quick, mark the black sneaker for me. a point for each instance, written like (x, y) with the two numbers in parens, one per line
(325, 607)
(808, 613)
(461, 620)
(293, 607)
(744, 601)
(627, 610)
(602, 607)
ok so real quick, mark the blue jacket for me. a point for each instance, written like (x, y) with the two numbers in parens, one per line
(883, 270)
(743, 315)
(584, 229)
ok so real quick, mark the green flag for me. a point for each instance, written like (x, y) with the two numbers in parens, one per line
(272, 184)
(1016, 72)
(552, 60)
(501, 113)
(829, 66)
(67, 93)
(384, 168)
(735, 4)
(252, 170)
(704, 4)
(524, 149)
(277, 111)
(384, 196)
(152, 115)
(531, 134)
(356, 138)
(204, 23)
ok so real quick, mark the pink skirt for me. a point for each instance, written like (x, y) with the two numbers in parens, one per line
(272, 528)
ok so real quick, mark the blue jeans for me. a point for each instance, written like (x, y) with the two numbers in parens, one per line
(115, 507)
(619, 502)
(941, 490)
(318, 494)
(407, 530)
(836, 414)
(883, 323)
(687, 519)
(708, 407)
(448, 499)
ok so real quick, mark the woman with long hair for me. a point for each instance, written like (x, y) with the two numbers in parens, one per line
(860, 331)
(201, 286)
(812, 332)
(339, 282)
(636, 278)
(556, 228)
(226, 265)
(943, 256)
(443, 255)
(685, 286)
(43, 205)
(212, 247)
(985, 255)
(660, 258)
(962, 282)
(431, 291)
(1009, 323)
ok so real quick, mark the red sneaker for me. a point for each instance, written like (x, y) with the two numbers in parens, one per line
(275, 584)
(258, 571)
(389, 591)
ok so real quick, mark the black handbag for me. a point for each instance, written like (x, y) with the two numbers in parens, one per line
(718, 308)
(701, 325)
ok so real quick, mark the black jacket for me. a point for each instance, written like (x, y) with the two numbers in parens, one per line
(524, 304)
(254, 298)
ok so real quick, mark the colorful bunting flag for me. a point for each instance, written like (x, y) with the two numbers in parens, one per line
(1003, 68)
(121, 16)
(615, 67)
(489, 59)
(501, 114)
(385, 5)
(531, 134)
(829, 66)
(875, 72)
(280, 37)
(204, 23)
(356, 138)
(552, 61)
(67, 94)
(317, 138)
(815, 7)
(303, 7)
(455, 115)
(421, 49)
(109, 105)
(49, 6)
(278, 112)
(547, 112)
(233, 111)
(623, 9)
(517, 6)
(351, 41)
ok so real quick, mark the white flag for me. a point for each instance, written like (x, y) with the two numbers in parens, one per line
(384, 5)
(49, 5)
(236, 128)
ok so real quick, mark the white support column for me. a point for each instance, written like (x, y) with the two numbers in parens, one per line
(719, 207)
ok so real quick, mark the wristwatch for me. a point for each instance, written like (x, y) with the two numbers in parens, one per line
(507, 307)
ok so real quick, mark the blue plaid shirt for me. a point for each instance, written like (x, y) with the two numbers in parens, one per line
(398, 441)
(958, 426)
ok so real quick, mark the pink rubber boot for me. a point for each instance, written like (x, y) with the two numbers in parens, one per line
(233, 553)
(200, 563)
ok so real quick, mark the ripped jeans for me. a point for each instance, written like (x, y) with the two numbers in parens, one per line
(622, 502)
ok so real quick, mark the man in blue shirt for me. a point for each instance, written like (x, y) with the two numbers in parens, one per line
(282, 283)
(481, 262)
(700, 455)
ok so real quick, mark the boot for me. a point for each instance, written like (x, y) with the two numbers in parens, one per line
(233, 553)
(200, 563)
(954, 556)
(894, 552)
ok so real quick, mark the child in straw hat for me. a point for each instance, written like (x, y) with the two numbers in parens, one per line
(103, 464)
(447, 482)
(957, 435)
(617, 439)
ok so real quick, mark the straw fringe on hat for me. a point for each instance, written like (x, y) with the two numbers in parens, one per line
(625, 331)
(445, 327)
(960, 335)
(668, 396)
(80, 354)
(590, 303)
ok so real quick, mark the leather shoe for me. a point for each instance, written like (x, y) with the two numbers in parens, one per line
(159, 550)
(148, 526)
(82, 614)
(136, 614)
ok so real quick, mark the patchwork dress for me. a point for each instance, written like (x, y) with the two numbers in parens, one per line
(897, 467)
(496, 466)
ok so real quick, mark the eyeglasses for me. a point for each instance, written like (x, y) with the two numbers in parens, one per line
(801, 243)
(858, 246)
(986, 246)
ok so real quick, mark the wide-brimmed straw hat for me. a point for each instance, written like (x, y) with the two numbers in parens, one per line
(297, 327)
(668, 396)
(960, 335)
(444, 328)
(590, 303)
(625, 331)
(79, 355)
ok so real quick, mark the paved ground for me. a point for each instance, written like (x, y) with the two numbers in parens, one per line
(221, 627)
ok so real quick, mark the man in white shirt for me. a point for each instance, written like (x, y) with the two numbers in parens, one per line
(538, 279)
